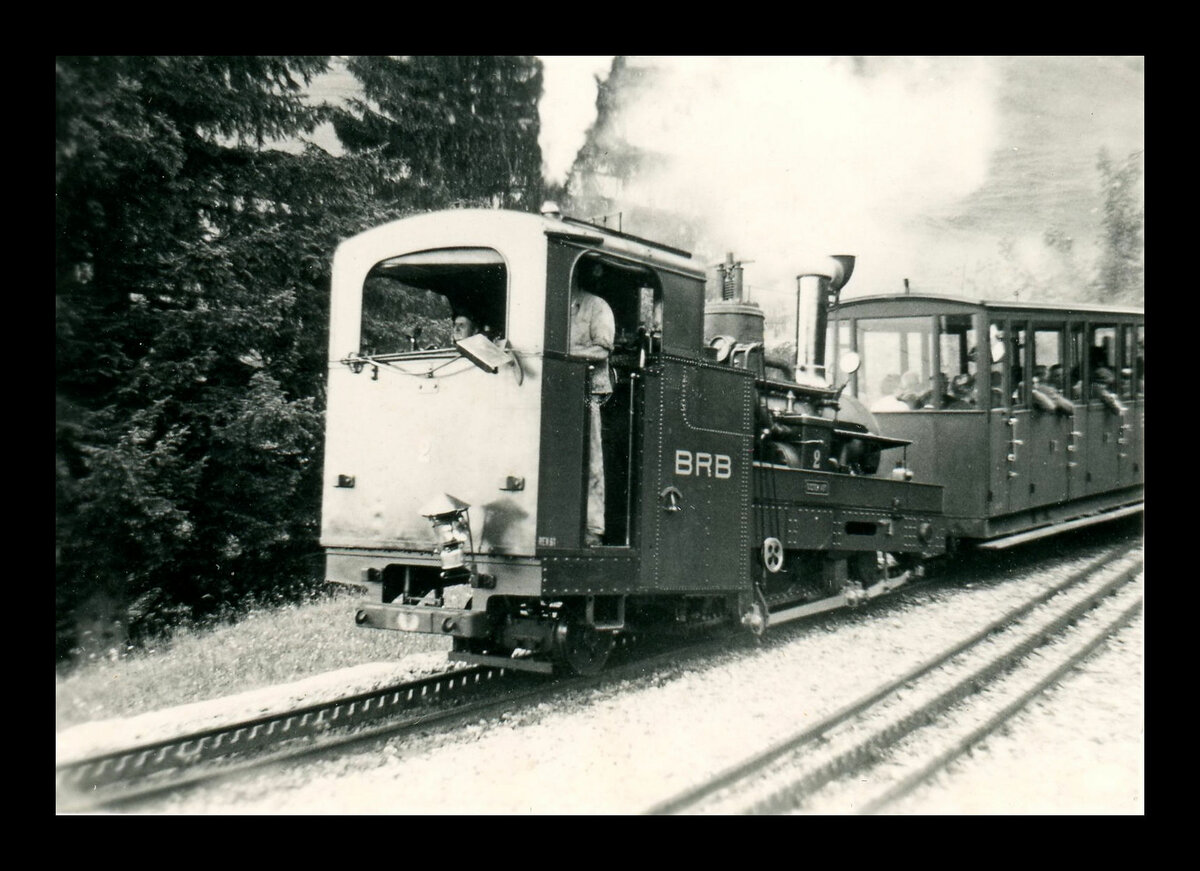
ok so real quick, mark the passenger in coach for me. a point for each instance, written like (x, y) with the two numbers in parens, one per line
(888, 400)
(1102, 381)
(962, 392)
(593, 332)
(941, 395)
(910, 392)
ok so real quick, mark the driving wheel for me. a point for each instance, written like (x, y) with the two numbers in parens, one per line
(583, 649)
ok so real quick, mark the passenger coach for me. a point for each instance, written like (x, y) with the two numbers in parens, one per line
(1030, 415)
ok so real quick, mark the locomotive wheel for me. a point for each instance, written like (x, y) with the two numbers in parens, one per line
(583, 649)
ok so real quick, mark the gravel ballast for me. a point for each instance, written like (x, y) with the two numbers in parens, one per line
(625, 747)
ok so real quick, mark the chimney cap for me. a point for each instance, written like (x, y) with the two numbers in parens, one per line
(837, 268)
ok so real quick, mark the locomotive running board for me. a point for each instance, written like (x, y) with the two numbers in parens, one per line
(842, 600)
(1056, 528)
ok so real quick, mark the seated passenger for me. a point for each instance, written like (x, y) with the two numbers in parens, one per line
(1102, 380)
(1055, 377)
(889, 400)
(1046, 396)
(910, 392)
(1040, 399)
(962, 392)
(939, 396)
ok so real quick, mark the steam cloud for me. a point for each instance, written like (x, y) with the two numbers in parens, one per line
(779, 158)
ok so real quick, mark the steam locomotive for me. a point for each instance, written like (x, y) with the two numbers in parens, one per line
(738, 487)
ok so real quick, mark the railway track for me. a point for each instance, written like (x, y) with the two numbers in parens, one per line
(132, 773)
(816, 767)
(131, 776)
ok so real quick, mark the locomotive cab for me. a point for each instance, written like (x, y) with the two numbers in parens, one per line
(457, 445)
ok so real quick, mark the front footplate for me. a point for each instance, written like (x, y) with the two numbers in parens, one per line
(451, 622)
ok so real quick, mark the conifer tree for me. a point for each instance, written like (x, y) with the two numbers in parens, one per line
(460, 130)
(191, 298)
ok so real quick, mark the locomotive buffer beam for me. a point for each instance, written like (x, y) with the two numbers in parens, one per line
(454, 622)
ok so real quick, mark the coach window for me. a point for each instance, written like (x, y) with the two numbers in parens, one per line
(956, 341)
(1102, 359)
(897, 362)
(425, 300)
(1049, 372)
(1048, 368)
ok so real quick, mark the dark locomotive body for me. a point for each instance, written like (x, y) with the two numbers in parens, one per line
(738, 488)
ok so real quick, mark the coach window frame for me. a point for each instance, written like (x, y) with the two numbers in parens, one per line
(1041, 327)
(998, 331)
(1112, 358)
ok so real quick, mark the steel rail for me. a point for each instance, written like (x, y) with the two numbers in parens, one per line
(863, 753)
(120, 794)
(96, 771)
(117, 794)
(943, 760)
(747, 768)
(140, 772)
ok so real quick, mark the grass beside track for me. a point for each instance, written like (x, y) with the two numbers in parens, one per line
(282, 644)
(263, 648)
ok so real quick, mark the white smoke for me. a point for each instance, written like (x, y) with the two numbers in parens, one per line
(567, 108)
(778, 158)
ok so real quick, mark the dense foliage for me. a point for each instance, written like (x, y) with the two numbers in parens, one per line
(192, 275)
(459, 129)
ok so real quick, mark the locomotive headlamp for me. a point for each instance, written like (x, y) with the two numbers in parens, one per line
(452, 527)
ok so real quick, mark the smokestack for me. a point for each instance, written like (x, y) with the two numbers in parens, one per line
(814, 287)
